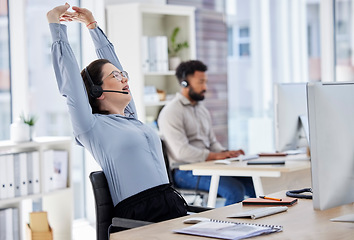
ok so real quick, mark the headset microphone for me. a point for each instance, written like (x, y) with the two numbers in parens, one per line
(115, 91)
(96, 90)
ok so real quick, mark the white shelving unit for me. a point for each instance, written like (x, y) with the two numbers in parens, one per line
(126, 26)
(57, 203)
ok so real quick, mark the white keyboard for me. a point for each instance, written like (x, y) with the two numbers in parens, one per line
(239, 158)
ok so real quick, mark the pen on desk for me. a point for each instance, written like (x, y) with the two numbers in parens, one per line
(270, 198)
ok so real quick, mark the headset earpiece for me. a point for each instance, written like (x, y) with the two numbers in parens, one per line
(184, 83)
(95, 90)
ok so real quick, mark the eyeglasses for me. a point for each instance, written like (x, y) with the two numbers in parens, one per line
(118, 75)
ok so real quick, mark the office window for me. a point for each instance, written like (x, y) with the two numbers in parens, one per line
(5, 99)
(343, 40)
(244, 41)
(274, 41)
(45, 101)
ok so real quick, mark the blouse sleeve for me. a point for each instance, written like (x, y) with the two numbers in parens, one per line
(69, 80)
(105, 49)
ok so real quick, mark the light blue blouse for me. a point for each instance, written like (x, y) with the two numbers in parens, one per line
(128, 151)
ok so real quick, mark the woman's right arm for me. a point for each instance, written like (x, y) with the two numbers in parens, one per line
(68, 75)
(104, 48)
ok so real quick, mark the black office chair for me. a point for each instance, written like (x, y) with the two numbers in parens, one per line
(105, 222)
(184, 192)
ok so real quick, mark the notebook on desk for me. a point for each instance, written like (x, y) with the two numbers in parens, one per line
(228, 230)
(287, 201)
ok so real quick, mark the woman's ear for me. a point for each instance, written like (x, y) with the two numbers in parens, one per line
(101, 97)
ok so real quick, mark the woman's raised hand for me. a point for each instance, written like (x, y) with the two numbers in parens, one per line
(54, 15)
(82, 15)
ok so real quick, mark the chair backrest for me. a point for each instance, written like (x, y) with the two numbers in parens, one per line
(103, 204)
(167, 163)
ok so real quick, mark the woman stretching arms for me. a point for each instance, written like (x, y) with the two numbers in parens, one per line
(105, 122)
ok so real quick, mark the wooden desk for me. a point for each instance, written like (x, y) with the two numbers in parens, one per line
(295, 174)
(301, 221)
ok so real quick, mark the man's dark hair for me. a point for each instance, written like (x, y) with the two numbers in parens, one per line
(95, 71)
(189, 68)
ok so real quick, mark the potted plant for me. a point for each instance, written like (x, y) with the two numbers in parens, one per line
(30, 120)
(175, 48)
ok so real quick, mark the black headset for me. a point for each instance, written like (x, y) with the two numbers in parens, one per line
(297, 193)
(184, 82)
(96, 90)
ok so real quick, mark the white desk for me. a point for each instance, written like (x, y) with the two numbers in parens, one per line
(299, 222)
(293, 175)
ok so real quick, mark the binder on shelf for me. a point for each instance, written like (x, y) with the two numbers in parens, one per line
(20, 174)
(145, 54)
(3, 177)
(6, 224)
(33, 172)
(155, 53)
(47, 168)
(60, 168)
(161, 53)
(55, 165)
(36, 173)
(10, 175)
(15, 224)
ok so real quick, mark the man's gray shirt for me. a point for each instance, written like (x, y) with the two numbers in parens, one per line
(187, 131)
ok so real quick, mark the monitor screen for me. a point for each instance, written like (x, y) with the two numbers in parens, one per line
(331, 127)
(290, 116)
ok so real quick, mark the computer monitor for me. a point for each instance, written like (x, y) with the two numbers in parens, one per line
(331, 126)
(290, 116)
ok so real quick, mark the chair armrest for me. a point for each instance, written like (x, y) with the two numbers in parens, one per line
(197, 209)
(128, 223)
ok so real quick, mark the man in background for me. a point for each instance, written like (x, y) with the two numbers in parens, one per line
(186, 128)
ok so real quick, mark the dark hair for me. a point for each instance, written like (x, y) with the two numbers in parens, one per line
(189, 67)
(95, 71)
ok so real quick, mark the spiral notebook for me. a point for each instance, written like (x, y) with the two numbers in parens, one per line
(228, 230)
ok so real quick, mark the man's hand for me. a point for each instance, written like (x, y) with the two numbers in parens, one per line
(224, 155)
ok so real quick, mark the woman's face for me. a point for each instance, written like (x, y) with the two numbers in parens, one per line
(116, 82)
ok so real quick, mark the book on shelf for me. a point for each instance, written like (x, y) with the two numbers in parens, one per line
(228, 230)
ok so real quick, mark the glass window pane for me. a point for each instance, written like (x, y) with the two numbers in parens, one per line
(45, 101)
(5, 99)
(343, 40)
(276, 41)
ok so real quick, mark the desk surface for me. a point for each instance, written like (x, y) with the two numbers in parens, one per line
(301, 221)
(293, 163)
